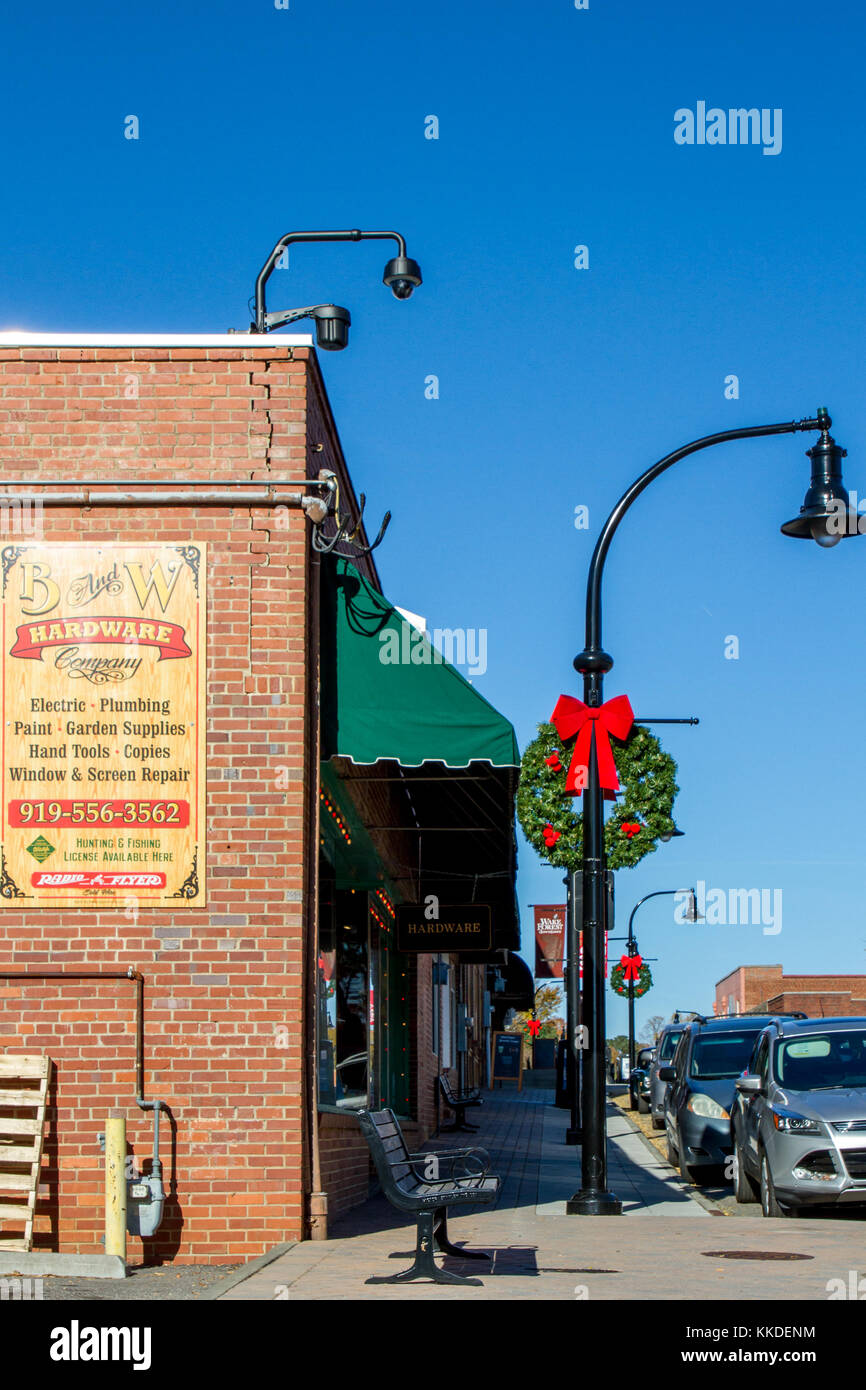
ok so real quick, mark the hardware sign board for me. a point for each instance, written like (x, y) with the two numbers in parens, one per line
(103, 726)
(464, 928)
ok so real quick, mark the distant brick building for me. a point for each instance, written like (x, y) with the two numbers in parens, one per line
(766, 989)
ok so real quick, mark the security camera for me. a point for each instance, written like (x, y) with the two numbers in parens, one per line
(402, 275)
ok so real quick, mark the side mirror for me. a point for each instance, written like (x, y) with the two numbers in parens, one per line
(750, 1085)
(667, 1074)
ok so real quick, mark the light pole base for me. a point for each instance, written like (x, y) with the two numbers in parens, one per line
(593, 1202)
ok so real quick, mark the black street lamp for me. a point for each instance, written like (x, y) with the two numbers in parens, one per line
(691, 916)
(402, 275)
(826, 489)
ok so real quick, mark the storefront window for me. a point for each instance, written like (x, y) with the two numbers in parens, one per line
(326, 1016)
(345, 1001)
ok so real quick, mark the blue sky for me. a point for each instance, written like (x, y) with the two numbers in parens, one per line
(557, 385)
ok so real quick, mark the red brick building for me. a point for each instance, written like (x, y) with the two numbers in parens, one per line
(766, 989)
(270, 1000)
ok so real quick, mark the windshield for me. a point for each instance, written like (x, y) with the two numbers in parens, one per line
(822, 1061)
(717, 1056)
(668, 1046)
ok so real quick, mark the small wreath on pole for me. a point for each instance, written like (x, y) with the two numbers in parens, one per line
(620, 985)
(550, 815)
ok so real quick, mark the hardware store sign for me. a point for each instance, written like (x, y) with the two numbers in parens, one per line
(103, 733)
(465, 928)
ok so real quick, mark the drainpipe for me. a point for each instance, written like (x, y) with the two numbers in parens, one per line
(318, 1197)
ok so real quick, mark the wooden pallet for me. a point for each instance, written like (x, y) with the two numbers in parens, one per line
(21, 1143)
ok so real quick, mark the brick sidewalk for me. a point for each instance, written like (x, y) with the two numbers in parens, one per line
(540, 1253)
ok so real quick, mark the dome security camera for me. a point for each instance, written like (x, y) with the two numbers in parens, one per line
(402, 275)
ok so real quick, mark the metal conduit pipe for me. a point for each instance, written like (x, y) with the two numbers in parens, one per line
(177, 482)
(83, 497)
(130, 974)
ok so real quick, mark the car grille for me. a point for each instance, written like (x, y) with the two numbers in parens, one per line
(850, 1126)
(855, 1162)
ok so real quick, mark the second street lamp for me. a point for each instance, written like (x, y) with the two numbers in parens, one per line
(691, 916)
(823, 499)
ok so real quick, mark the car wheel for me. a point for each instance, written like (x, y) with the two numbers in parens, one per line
(671, 1154)
(770, 1206)
(657, 1123)
(632, 1103)
(745, 1187)
(642, 1106)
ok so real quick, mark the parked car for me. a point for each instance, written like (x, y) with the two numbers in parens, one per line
(639, 1080)
(800, 1116)
(711, 1054)
(665, 1048)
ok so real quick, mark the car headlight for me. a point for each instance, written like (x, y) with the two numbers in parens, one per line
(705, 1106)
(789, 1122)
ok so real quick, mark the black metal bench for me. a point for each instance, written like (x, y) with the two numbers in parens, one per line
(458, 1102)
(427, 1185)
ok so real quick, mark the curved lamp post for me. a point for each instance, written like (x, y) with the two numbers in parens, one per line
(820, 508)
(402, 275)
(632, 950)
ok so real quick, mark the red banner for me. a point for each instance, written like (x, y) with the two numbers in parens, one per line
(127, 632)
(580, 934)
(549, 941)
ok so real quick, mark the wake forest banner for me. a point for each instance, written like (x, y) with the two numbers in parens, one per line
(103, 726)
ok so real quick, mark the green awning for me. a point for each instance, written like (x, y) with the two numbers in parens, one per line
(428, 765)
(387, 693)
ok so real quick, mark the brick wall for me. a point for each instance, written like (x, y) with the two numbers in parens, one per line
(220, 981)
(748, 984)
(766, 989)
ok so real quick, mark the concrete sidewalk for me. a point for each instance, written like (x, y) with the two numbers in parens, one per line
(644, 1183)
(537, 1252)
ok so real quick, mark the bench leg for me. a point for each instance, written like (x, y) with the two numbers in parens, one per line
(460, 1126)
(440, 1235)
(425, 1266)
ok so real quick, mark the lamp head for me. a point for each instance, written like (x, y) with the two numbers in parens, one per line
(332, 326)
(826, 508)
(402, 275)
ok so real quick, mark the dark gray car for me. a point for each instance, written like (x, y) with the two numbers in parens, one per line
(639, 1080)
(665, 1049)
(710, 1056)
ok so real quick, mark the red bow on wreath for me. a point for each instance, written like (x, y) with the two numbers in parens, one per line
(630, 968)
(631, 828)
(572, 717)
(550, 835)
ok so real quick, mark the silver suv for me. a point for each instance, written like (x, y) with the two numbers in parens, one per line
(799, 1120)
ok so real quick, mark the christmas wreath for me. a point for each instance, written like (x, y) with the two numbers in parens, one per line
(550, 813)
(620, 985)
